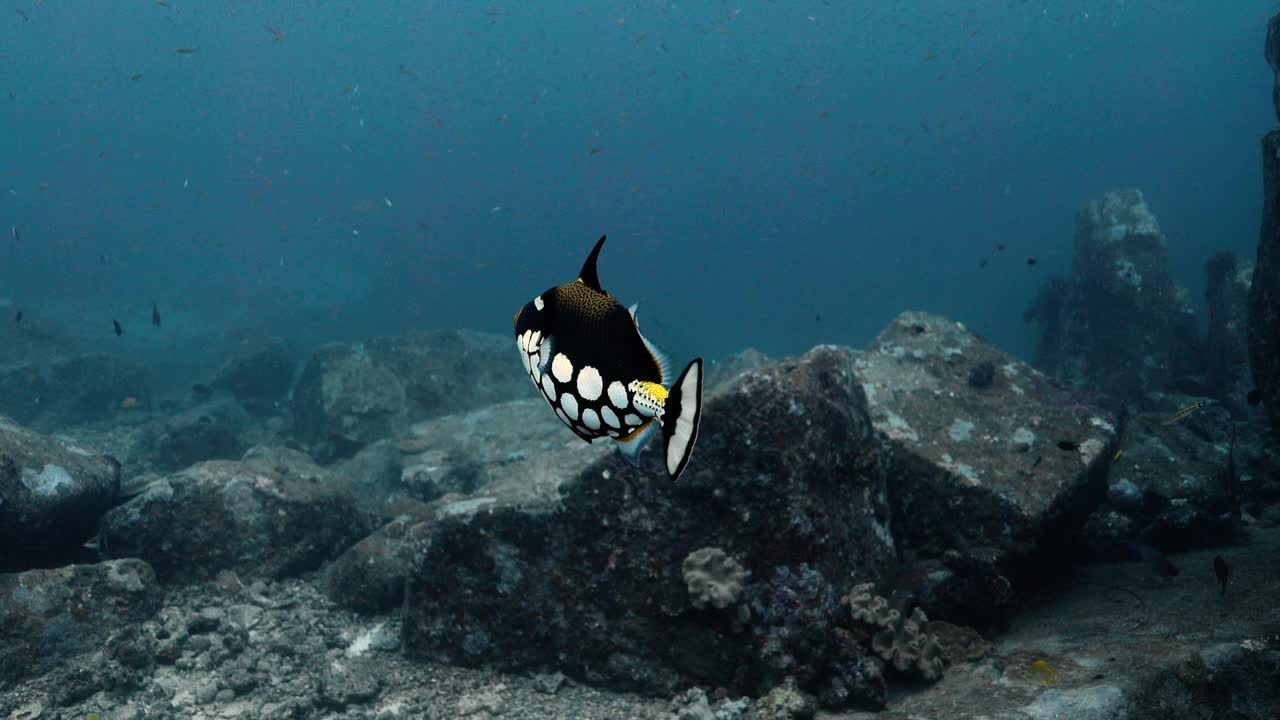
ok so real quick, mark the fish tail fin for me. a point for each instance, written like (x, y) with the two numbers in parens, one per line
(682, 412)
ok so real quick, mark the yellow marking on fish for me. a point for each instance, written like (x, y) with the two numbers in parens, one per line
(651, 390)
(1183, 413)
(1117, 455)
(1044, 671)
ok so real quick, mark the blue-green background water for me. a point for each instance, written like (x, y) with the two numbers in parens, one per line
(770, 174)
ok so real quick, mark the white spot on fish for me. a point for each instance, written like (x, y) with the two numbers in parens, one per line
(569, 404)
(590, 384)
(610, 418)
(590, 419)
(562, 368)
(548, 388)
(537, 303)
(618, 395)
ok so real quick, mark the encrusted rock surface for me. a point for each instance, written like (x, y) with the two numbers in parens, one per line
(1119, 324)
(52, 491)
(986, 478)
(574, 562)
(273, 515)
(351, 395)
(258, 373)
(1227, 375)
(1264, 294)
(47, 616)
(77, 389)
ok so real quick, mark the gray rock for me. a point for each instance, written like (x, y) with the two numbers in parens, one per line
(1097, 702)
(981, 486)
(210, 431)
(350, 684)
(48, 616)
(351, 395)
(573, 560)
(1272, 54)
(1119, 281)
(52, 491)
(726, 368)
(258, 373)
(69, 391)
(1227, 375)
(272, 515)
(370, 576)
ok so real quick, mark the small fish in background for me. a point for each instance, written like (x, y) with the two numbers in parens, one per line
(1044, 672)
(129, 403)
(201, 390)
(184, 50)
(14, 229)
(119, 330)
(1031, 262)
(18, 318)
(1155, 558)
(1068, 445)
(603, 378)
(155, 314)
(1184, 412)
(1222, 571)
(276, 33)
(1255, 396)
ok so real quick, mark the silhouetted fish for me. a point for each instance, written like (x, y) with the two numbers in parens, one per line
(1222, 571)
(116, 325)
(18, 318)
(1032, 261)
(201, 390)
(155, 314)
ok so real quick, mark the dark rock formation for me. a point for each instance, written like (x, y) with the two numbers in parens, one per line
(351, 395)
(51, 494)
(1119, 324)
(259, 373)
(210, 431)
(370, 576)
(985, 479)
(70, 391)
(577, 563)
(1227, 376)
(1264, 294)
(272, 515)
(47, 616)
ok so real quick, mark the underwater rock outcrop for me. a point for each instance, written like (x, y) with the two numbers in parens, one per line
(48, 615)
(986, 477)
(272, 515)
(1227, 376)
(258, 373)
(351, 395)
(52, 491)
(70, 391)
(1264, 294)
(1119, 281)
(575, 561)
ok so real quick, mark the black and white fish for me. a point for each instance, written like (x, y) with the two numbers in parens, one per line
(586, 355)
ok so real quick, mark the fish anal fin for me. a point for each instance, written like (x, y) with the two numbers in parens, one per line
(631, 444)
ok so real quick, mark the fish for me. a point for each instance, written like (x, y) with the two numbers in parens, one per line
(129, 403)
(603, 378)
(184, 50)
(276, 33)
(1255, 396)
(1044, 671)
(155, 314)
(1068, 445)
(135, 77)
(201, 390)
(14, 229)
(18, 318)
(1222, 571)
(1031, 261)
(1184, 412)
(119, 330)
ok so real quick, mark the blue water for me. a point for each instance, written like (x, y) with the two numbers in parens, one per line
(770, 174)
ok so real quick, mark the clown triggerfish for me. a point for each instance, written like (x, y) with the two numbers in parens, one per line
(585, 354)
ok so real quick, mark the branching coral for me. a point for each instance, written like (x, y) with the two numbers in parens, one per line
(901, 641)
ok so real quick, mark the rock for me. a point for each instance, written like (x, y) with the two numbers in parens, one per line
(72, 390)
(981, 486)
(727, 368)
(1228, 379)
(258, 373)
(349, 684)
(370, 576)
(1264, 293)
(210, 431)
(272, 515)
(52, 491)
(1097, 702)
(1272, 54)
(574, 560)
(784, 702)
(49, 616)
(375, 472)
(1119, 281)
(351, 395)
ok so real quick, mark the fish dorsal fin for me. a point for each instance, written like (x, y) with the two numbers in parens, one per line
(664, 365)
(588, 275)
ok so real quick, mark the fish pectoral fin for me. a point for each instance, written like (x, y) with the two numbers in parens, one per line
(682, 413)
(548, 349)
(631, 444)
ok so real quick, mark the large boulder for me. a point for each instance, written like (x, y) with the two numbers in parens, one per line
(574, 560)
(352, 395)
(1227, 376)
(258, 373)
(1264, 294)
(47, 616)
(994, 466)
(66, 392)
(52, 491)
(273, 515)
(1119, 324)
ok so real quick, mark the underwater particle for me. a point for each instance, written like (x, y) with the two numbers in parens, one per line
(1068, 445)
(1044, 672)
(119, 330)
(982, 375)
(1255, 396)
(129, 403)
(1222, 571)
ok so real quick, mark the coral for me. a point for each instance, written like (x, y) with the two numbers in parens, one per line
(982, 375)
(793, 617)
(901, 640)
(713, 578)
